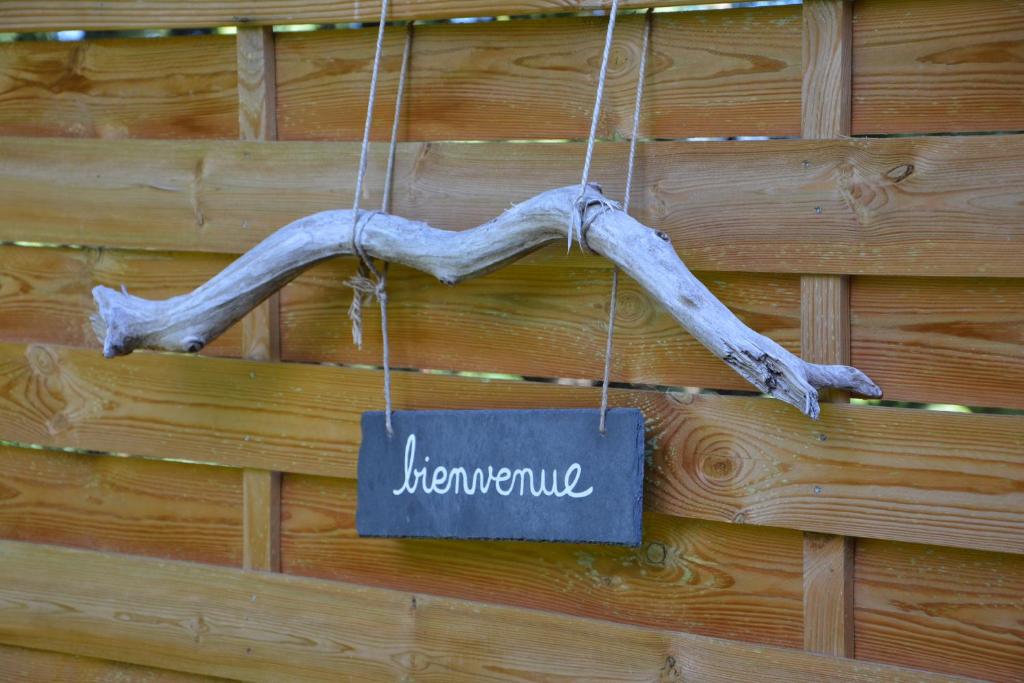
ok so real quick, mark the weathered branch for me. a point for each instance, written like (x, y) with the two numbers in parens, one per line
(189, 322)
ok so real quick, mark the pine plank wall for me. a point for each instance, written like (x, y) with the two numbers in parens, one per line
(174, 518)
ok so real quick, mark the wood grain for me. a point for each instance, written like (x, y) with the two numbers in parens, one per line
(954, 611)
(45, 294)
(182, 87)
(827, 69)
(161, 509)
(885, 473)
(825, 322)
(262, 515)
(923, 339)
(261, 329)
(828, 559)
(257, 121)
(938, 340)
(876, 472)
(257, 83)
(720, 580)
(923, 67)
(921, 206)
(941, 340)
(261, 339)
(825, 317)
(920, 65)
(530, 320)
(22, 665)
(828, 594)
(36, 15)
(269, 627)
(715, 73)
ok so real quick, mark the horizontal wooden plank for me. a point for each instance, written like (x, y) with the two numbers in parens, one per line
(46, 294)
(934, 340)
(945, 478)
(717, 73)
(954, 611)
(720, 580)
(530, 320)
(161, 509)
(922, 339)
(51, 15)
(928, 66)
(283, 417)
(267, 627)
(23, 665)
(925, 476)
(183, 87)
(919, 206)
(941, 340)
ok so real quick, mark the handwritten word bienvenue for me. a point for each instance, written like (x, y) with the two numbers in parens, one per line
(504, 480)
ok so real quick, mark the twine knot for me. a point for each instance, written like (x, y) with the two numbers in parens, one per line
(364, 285)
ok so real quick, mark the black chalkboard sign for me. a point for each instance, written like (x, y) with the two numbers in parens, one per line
(545, 475)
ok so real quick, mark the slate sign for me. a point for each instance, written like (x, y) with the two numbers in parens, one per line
(543, 475)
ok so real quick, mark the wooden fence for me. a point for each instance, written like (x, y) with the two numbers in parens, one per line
(139, 496)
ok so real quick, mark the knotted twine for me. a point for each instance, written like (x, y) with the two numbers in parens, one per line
(369, 281)
(363, 285)
(578, 227)
(579, 205)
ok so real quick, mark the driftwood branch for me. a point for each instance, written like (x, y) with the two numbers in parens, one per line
(189, 322)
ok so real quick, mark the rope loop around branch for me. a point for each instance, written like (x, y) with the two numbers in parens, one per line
(581, 207)
(368, 280)
(576, 223)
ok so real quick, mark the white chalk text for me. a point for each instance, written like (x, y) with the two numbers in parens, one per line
(504, 481)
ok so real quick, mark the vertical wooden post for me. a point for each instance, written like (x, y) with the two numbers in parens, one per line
(828, 69)
(828, 594)
(257, 120)
(257, 81)
(825, 315)
(261, 547)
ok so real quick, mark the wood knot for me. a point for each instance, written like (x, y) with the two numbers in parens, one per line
(619, 60)
(197, 627)
(899, 173)
(42, 360)
(633, 310)
(719, 466)
(670, 670)
(655, 553)
(58, 423)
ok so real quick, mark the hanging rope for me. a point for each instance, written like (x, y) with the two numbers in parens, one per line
(369, 281)
(579, 206)
(385, 202)
(641, 77)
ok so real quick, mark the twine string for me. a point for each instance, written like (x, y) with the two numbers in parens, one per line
(369, 280)
(580, 205)
(641, 77)
(385, 202)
